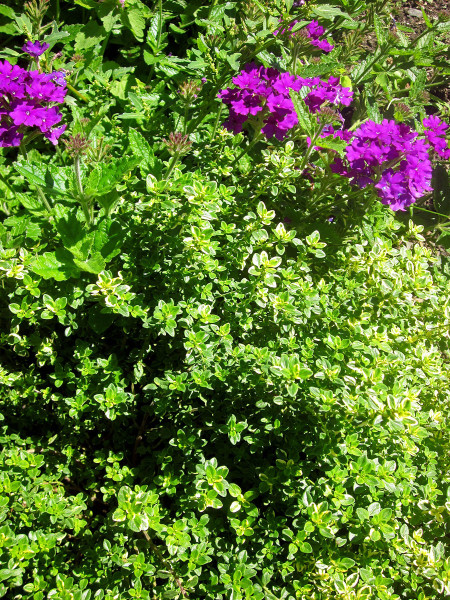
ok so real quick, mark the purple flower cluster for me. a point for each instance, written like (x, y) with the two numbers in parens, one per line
(315, 32)
(390, 156)
(35, 49)
(28, 99)
(262, 96)
(326, 92)
(435, 133)
(312, 32)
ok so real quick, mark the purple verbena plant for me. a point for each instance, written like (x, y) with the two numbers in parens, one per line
(394, 159)
(29, 99)
(311, 33)
(262, 97)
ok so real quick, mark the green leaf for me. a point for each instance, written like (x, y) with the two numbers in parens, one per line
(385, 515)
(141, 149)
(38, 175)
(55, 265)
(327, 11)
(108, 14)
(105, 177)
(333, 143)
(363, 514)
(154, 32)
(304, 373)
(92, 34)
(440, 183)
(233, 60)
(380, 30)
(7, 12)
(135, 21)
(305, 119)
(95, 264)
(305, 547)
(98, 321)
(374, 508)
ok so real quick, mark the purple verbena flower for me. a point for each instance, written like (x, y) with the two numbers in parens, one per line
(312, 33)
(315, 30)
(10, 136)
(326, 92)
(435, 134)
(28, 99)
(54, 134)
(36, 48)
(261, 94)
(392, 158)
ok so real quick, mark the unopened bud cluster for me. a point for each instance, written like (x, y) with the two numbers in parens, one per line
(188, 90)
(178, 144)
(77, 145)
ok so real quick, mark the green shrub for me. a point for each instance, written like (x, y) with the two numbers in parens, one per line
(224, 367)
(247, 412)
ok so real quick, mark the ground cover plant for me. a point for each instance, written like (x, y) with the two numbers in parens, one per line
(224, 300)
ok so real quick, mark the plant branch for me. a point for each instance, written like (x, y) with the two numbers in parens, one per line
(165, 562)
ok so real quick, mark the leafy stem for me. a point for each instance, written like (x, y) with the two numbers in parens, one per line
(166, 563)
(39, 190)
(84, 201)
(175, 158)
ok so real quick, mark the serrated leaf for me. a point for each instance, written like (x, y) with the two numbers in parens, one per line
(105, 177)
(56, 265)
(364, 69)
(50, 178)
(92, 34)
(154, 32)
(333, 143)
(94, 264)
(141, 148)
(327, 11)
(233, 60)
(7, 12)
(305, 119)
(380, 30)
(135, 21)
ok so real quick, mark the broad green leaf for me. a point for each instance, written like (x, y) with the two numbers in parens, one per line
(91, 35)
(327, 11)
(7, 11)
(104, 178)
(135, 20)
(141, 148)
(154, 32)
(333, 143)
(94, 264)
(57, 265)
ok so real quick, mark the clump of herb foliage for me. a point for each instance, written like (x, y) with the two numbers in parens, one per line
(224, 366)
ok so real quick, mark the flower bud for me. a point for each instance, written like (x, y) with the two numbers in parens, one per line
(177, 144)
(77, 145)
